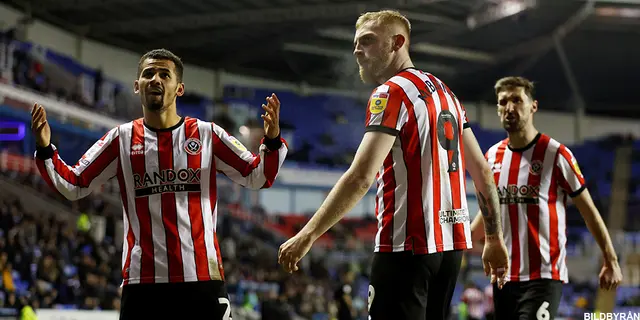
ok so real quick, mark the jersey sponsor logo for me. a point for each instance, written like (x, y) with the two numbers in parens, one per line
(512, 193)
(137, 149)
(183, 180)
(378, 102)
(193, 146)
(453, 216)
(536, 167)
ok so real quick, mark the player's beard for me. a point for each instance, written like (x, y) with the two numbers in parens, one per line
(375, 67)
(153, 103)
(515, 126)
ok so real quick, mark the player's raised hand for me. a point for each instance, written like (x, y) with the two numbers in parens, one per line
(40, 126)
(495, 259)
(610, 275)
(292, 251)
(271, 117)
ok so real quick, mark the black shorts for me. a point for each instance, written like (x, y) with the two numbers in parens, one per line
(527, 300)
(405, 286)
(175, 301)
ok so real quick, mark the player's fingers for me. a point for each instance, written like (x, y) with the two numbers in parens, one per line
(44, 123)
(37, 120)
(273, 108)
(268, 108)
(486, 267)
(275, 98)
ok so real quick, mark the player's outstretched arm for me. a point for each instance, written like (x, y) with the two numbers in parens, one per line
(351, 187)
(495, 256)
(251, 170)
(610, 275)
(97, 165)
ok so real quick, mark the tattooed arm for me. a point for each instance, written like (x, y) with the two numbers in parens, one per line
(495, 258)
(485, 189)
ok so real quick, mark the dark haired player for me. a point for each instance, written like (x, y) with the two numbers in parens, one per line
(166, 167)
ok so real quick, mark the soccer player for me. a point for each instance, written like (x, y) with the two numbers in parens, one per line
(417, 145)
(535, 174)
(166, 167)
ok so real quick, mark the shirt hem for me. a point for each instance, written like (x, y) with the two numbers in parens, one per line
(461, 245)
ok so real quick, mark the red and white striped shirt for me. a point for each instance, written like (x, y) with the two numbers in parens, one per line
(533, 184)
(421, 202)
(167, 181)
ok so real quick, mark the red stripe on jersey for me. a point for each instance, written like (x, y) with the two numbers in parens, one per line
(226, 155)
(389, 199)
(147, 265)
(392, 111)
(499, 157)
(410, 139)
(533, 209)
(459, 239)
(169, 211)
(514, 169)
(554, 242)
(93, 170)
(271, 165)
(195, 208)
(130, 237)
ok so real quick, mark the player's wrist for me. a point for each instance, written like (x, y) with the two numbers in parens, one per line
(493, 238)
(610, 259)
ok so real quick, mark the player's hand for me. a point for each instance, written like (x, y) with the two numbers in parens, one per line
(271, 117)
(610, 275)
(40, 126)
(495, 259)
(292, 251)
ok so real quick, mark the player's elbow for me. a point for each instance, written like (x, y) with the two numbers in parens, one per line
(358, 180)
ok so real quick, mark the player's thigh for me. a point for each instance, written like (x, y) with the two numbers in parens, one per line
(397, 288)
(442, 283)
(505, 301)
(540, 301)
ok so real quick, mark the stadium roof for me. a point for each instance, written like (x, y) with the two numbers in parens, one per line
(467, 43)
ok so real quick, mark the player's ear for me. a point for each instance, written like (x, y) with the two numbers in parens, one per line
(398, 41)
(180, 89)
(534, 106)
(136, 87)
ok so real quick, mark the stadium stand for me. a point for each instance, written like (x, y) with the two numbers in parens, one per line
(64, 262)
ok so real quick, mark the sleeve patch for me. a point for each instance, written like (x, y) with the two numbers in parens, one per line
(575, 166)
(378, 102)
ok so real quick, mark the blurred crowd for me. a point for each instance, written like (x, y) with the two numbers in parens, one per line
(52, 261)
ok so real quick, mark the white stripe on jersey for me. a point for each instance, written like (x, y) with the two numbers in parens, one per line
(126, 131)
